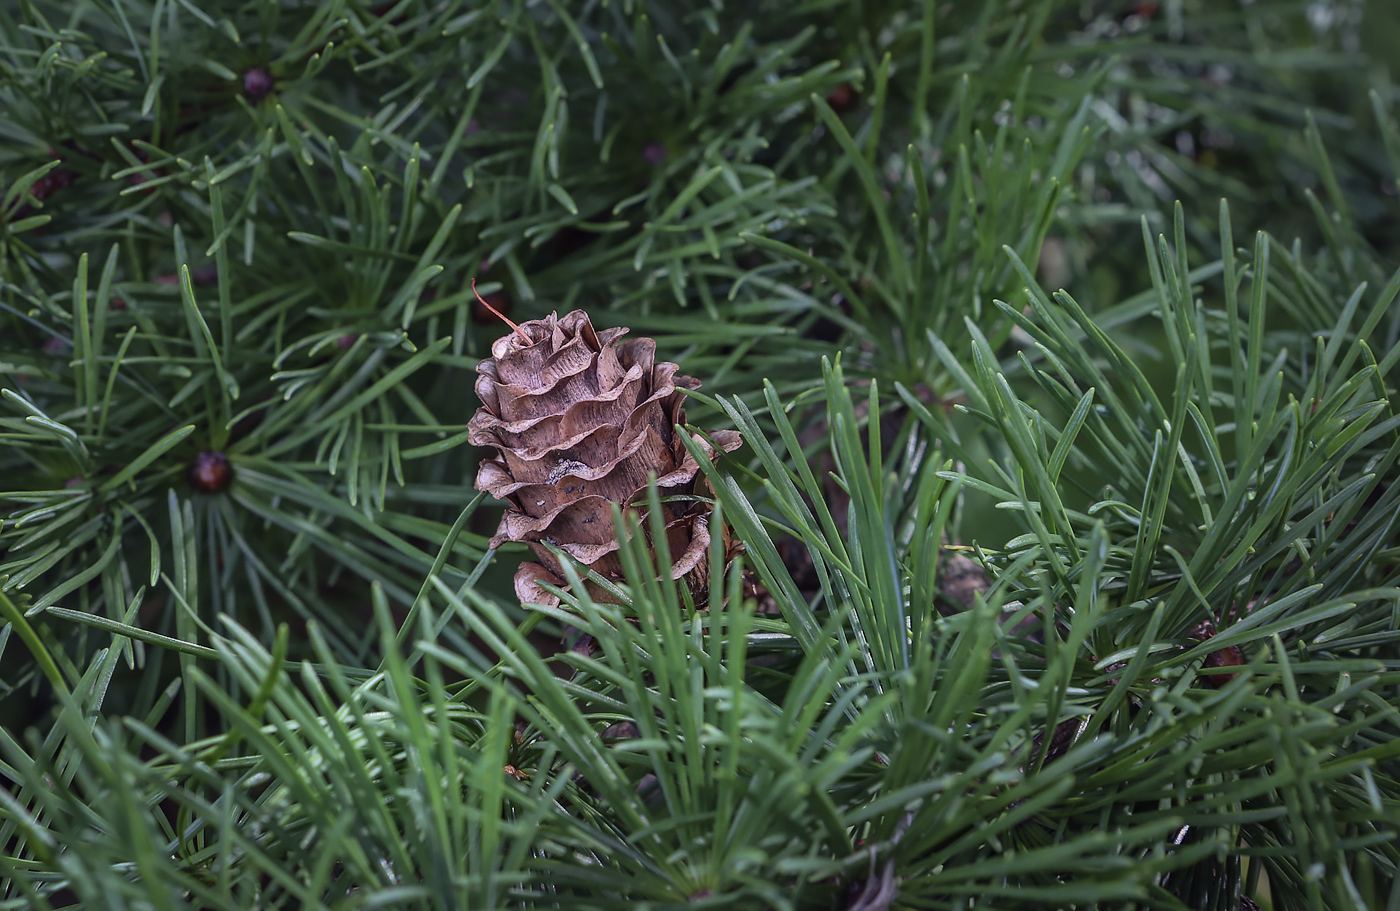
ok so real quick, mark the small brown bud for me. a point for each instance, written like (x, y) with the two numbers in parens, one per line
(257, 84)
(843, 98)
(1229, 656)
(210, 472)
(622, 730)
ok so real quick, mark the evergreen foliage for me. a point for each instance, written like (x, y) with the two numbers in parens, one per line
(255, 651)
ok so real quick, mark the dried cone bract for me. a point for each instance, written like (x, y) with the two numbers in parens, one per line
(580, 419)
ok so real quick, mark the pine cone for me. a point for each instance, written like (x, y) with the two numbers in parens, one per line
(580, 420)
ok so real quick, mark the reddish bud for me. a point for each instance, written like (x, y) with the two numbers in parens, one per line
(1229, 656)
(57, 179)
(210, 472)
(843, 98)
(257, 84)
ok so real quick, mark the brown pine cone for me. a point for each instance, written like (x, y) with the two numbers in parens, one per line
(580, 420)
